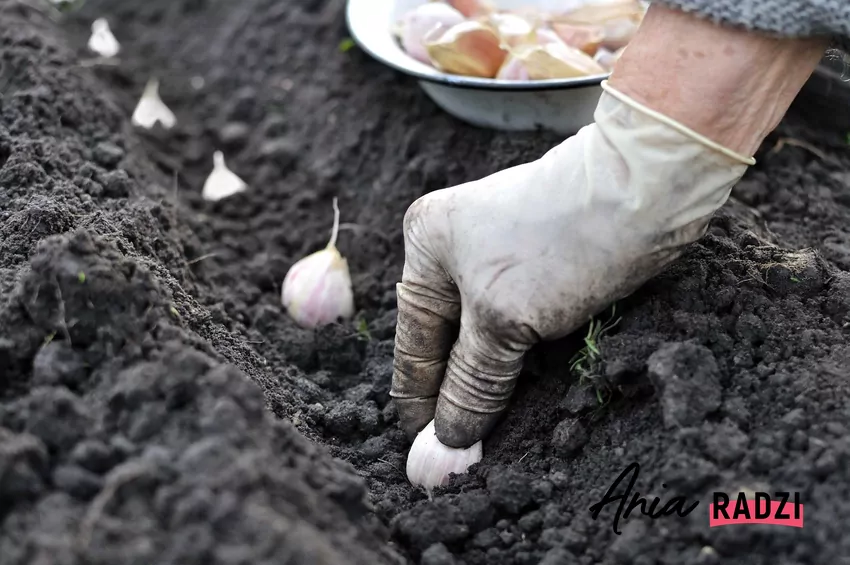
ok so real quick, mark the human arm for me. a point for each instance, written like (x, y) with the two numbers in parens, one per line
(530, 253)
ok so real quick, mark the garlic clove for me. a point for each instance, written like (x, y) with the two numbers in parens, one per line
(469, 48)
(151, 109)
(607, 59)
(619, 20)
(102, 41)
(472, 8)
(222, 182)
(430, 462)
(544, 55)
(540, 35)
(417, 23)
(598, 13)
(618, 33)
(556, 60)
(544, 35)
(513, 29)
(317, 289)
(513, 69)
(586, 38)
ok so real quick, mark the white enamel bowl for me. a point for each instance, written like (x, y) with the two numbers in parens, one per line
(560, 105)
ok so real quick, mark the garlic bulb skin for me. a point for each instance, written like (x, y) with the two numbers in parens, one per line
(513, 69)
(222, 182)
(513, 29)
(102, 41)
(618, 19)
(422, 20)
(317, 289)
(556, 60)
(607, 59)
(586, 38)
(544, 36)
(472, 8)
(600, 12)
(469, 48)
(430, 462)
(151, 109)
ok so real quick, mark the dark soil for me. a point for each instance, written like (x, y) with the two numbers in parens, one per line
(157, 405)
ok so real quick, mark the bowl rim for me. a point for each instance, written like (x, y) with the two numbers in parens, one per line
(464, 82)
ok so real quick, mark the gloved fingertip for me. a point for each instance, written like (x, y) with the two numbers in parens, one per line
(415, 413)
(458, 427)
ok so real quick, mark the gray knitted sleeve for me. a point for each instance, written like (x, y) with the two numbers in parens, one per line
(792, 18)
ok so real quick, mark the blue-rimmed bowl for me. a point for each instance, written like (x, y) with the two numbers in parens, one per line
(560, 105)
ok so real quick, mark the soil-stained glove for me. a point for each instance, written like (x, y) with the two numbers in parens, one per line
(532, 252)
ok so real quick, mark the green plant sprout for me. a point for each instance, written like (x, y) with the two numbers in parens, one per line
(81, 277)
(588, 357)
(794, 262)
(346, 45)
(363, 330)
(49, 337)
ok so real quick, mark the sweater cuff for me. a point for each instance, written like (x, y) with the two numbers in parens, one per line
(787, 18)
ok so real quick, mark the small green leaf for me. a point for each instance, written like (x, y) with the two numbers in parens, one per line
(794, 279)
(363, 330)
(174, 311)
(346, 45)
(81, 277)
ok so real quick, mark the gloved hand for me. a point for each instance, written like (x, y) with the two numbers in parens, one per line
(532, 252)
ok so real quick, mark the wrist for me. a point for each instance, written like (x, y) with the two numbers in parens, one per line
(728, 84)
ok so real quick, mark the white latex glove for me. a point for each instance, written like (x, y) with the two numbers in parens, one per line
(532, 252)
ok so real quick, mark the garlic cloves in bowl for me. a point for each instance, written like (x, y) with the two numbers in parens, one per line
(513, 69)
(430, 462)
(222, 182)
(544, 35)
(586, 38)
(618, 33)
(598, 13)
(608, 59)
(151, 109)
(419, 22)
(512, 28)
(618, 20)
(317, 289)
(102, 41)
(469, 48)
(551, 60)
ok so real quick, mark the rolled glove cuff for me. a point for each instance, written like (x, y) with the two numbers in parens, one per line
(676, 125)
(644, 171)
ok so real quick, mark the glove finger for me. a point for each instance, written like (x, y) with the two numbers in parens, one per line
(480, 378)
(428, 320)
